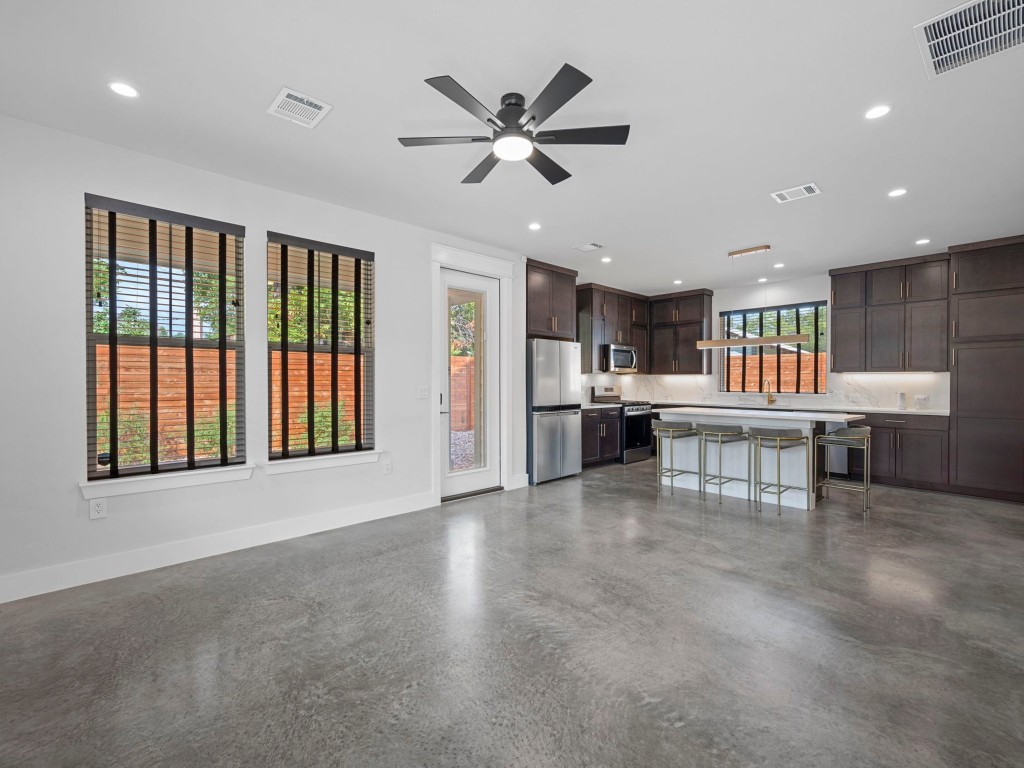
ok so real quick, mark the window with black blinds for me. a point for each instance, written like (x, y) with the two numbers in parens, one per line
(791, 368)
(164, 346)
(320, 346)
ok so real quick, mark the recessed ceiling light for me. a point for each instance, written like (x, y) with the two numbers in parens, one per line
(677, 282)
(922, 241)
(535, 226)
(762, 279)
(898, 192)
(876, 112)
(780, 265)
(606, 259)
(123, 89)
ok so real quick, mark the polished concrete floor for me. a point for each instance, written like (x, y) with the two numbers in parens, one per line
(588, 622)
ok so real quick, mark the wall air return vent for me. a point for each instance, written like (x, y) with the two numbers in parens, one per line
(970, 32)
(588, 247)
(299, 108)
(789, 195)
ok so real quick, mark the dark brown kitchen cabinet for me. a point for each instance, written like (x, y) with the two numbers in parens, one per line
(989, 316)
(848, 290)
(847, 343)
(982, 267)
(591, 435)
(884, 329)
(601, 435)
(605, 316)
(689, 308)
(885, 286)
(906, 449)
(926, 336)
(674, 349)
(550, 301)
(927, 281)
(988, 454)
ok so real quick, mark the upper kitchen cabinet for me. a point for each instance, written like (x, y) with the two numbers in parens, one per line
(678, 322)
(901, 324)
(848, 290)
(608, 316)
(550, 301)
(996, 265)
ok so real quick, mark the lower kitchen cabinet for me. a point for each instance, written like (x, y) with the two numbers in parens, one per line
(906, 449)
(601, 435)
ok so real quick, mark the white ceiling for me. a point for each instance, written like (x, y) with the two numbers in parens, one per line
(727, 101)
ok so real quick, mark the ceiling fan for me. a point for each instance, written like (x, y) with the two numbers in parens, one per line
(515, 135)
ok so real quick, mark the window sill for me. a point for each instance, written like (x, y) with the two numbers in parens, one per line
(328, 461)
(123, 486)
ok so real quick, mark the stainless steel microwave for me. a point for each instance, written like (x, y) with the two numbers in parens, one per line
(618, 358)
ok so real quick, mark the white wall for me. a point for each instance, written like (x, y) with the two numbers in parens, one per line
(46, 538)
(867, 390)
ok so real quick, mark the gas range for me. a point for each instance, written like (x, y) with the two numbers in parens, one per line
(636, 423)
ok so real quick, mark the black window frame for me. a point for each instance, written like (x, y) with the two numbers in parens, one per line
(818, 346)
(362, 346)
(112, 469)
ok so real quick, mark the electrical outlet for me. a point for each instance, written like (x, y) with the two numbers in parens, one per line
(97, 509)
(389, 466)
(422, 392)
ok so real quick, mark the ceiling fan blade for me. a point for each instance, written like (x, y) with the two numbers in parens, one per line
(605, 134)
(479, 173)
(426, 141)
(548, 168)
(464, 99)
(563, 86)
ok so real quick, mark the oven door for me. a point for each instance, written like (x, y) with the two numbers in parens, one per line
(618, 358)
(636, 437)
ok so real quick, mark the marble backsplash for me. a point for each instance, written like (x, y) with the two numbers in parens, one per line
(867, 390)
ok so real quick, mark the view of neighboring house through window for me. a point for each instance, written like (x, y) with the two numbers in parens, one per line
(164, 340)
(791, 368)
(320, 346)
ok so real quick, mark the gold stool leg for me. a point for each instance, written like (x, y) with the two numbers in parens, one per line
(672, 463)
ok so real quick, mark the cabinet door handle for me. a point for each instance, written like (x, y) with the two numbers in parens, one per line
(896, 421)
(954, 329)
(901, 289)
(897, 441)
(954, 279)
(901, 359)
(833, 297)
(954, 356)
(891, 442)
(833, 361)
(632, 315)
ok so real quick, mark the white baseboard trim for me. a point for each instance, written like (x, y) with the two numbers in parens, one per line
(15, 586)
(518, 481)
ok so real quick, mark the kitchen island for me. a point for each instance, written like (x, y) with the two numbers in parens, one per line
(734, 455)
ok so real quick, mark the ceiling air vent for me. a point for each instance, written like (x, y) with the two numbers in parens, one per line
(298, 108)
(588, 247)
(970, 32)
(789, 195)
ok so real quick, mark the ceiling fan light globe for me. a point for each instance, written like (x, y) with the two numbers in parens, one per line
(513, 147)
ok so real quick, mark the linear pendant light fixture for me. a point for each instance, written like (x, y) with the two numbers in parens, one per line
(757, 341)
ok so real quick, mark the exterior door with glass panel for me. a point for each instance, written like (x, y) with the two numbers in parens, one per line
(470, 434)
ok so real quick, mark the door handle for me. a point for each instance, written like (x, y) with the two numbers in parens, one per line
(954, 329)
(954, 279)
(954, 356)
(833, 361)
(901, 289)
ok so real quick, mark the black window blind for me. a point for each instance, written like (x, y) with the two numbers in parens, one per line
(164, 347)
(320, 347)
(791, 368)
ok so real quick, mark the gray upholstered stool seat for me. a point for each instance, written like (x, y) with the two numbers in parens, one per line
(779, 440)
(857, 438)
(721, 434)
(672, 431)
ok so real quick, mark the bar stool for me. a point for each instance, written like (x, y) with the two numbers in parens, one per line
(779, 440)
(672, 431)
(721, 434)
(858, 438)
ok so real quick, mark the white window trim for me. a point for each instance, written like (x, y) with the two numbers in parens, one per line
(327, 461)
(123, 486)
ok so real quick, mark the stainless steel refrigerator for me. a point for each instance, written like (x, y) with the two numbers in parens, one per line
(554, 398)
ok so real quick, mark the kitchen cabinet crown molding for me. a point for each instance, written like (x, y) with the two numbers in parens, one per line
(910, 261)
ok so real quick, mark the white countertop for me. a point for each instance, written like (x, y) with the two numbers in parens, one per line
(589, 406)
(823, 408)
(765, 413)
